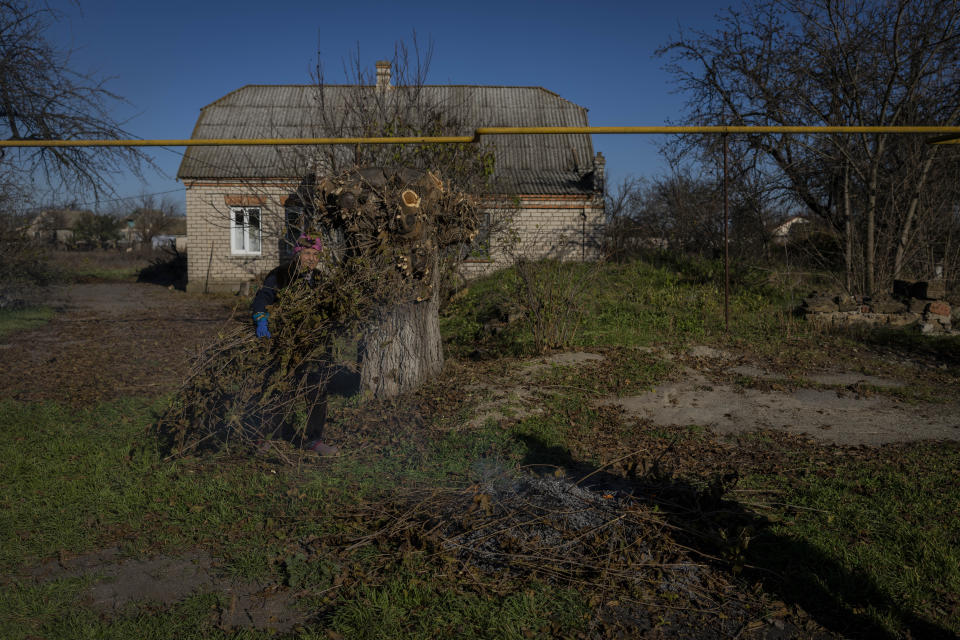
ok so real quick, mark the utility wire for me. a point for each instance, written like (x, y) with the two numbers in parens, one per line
(137, 197)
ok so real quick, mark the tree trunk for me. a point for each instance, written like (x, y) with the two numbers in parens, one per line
(402, 349)
(911, 214)
(847, 231)
(871, 239)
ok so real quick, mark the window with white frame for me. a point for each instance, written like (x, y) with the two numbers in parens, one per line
(245, 230)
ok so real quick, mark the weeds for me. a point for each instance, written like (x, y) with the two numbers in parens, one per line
(12, 320)
(551, 295)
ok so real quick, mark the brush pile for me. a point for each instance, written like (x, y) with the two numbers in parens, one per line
(626, 553)
(384, 233)
(398, 219)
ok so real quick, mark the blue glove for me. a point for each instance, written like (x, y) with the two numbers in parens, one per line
(262, 330)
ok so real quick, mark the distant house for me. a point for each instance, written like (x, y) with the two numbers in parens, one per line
(129, 234)
(169, 241)
(173, 235)
(239, 200)
(56, 226)
(781, 233)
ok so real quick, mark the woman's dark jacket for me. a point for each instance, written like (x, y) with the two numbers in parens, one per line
(279, 278)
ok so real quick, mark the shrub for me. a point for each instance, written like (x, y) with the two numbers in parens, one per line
(552, 296)
(24, 267)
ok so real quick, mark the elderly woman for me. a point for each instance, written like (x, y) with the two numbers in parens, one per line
(303, 267)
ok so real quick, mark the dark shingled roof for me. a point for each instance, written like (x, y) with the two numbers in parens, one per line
(535, 164)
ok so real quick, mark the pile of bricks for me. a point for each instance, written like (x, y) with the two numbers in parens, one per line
(919, 303)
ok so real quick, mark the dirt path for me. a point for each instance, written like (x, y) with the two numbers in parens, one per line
(165, 580)
(717, 390)
(110, 340)
(840, 415)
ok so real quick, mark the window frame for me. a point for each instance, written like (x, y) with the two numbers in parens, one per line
(246, 227)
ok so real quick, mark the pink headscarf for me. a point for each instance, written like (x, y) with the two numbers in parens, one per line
(308, 242)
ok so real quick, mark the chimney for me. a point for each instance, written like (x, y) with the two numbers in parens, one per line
(599, 172)
(383, 74)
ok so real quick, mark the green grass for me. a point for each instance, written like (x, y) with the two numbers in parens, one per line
(630, 304)
(106, 274)
(410, 607)
(76, 481)
(880, 534)
(12, 320)
(100, 265)
(73, 482)
(622, 372)
(50, 610)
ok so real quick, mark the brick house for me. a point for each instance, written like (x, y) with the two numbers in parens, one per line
(240, 200)
(56, 226)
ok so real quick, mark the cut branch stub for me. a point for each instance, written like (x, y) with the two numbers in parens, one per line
(431, 190)
(409, 217)
(409, 201)
(398, 218)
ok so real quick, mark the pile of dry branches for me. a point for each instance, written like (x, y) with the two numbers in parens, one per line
(604, 541)
(384, 232)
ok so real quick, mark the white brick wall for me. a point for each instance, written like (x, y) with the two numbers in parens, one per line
(210, 264)
(566, 227)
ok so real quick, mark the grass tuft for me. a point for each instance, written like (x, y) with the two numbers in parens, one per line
(13, 320)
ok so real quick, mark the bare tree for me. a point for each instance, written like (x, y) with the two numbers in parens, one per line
(788, 62)
(682, 212)
(620, 206)
(43, 97)
(153, 217)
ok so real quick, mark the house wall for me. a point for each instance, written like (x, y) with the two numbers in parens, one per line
(568, 227)
(211, 267)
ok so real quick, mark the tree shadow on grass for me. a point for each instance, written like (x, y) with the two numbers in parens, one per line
(940, 348)
(744, 545)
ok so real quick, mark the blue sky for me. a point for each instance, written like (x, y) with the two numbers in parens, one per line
(169, 59)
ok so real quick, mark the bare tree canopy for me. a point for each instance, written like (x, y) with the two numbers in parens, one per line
(43, 97)
(154, 216)
(393, 100)
(822, 62)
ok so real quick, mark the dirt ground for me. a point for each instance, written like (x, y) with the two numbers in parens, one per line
(729, 394)
(111, 339)
(168, 579)
(115, 339)
(843, 407)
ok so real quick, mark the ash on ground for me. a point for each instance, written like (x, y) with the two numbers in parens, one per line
(613, 546)
(553, 527)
